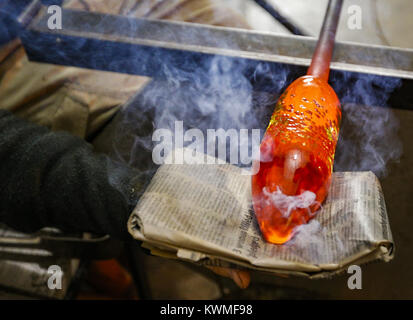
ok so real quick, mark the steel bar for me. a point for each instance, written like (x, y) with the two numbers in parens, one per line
(81, 28)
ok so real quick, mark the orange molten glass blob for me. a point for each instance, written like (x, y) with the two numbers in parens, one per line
(296, 158)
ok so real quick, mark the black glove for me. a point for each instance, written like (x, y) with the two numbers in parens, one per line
(50, 179)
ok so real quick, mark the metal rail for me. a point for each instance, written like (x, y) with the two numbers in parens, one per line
(86, 38)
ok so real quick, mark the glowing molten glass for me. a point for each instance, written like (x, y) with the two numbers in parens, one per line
(296, 158)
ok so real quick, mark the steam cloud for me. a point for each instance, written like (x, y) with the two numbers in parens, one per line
(369, 131)
(286, 204)
(216, 94)
(219, 94)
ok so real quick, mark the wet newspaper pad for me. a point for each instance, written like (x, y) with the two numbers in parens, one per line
(202, 213)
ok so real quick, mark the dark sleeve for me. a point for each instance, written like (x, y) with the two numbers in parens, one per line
(56, 180)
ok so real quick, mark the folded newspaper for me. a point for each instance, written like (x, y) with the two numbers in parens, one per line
(202, 213)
